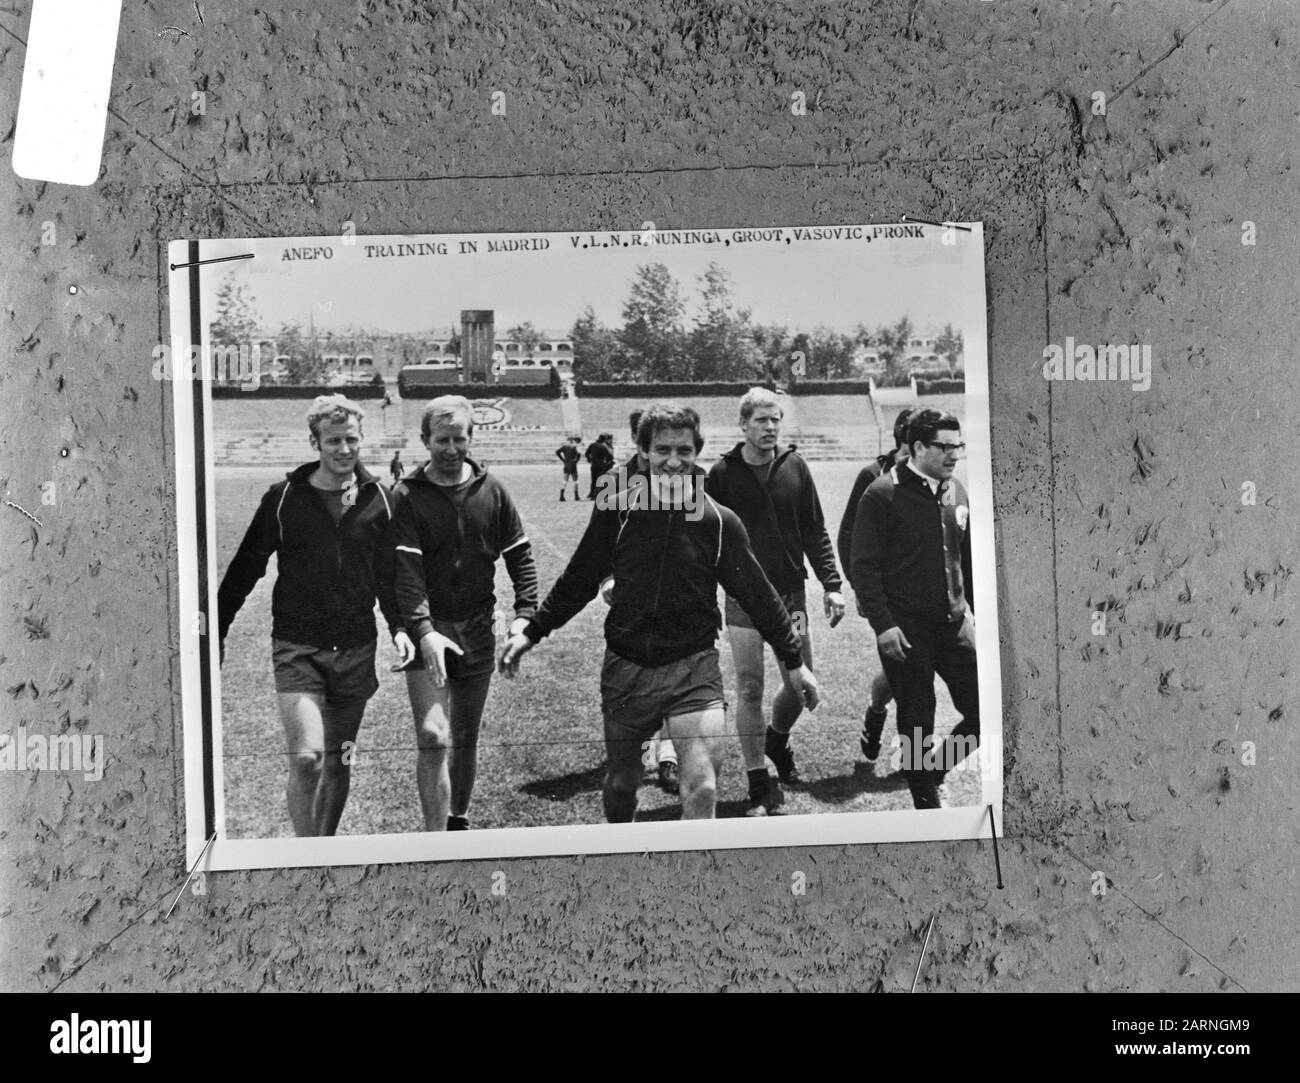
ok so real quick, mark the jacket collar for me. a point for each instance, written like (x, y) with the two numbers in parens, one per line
(736, 455)
(419, 477)
(301, 474)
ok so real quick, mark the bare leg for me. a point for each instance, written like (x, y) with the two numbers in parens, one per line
(304, 733)
(747, 654)
(432, 737)
(341, 725)
(467, 699)
(787, 706)
(701, 743)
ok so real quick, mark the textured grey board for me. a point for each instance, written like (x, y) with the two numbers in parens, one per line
(1123, 752)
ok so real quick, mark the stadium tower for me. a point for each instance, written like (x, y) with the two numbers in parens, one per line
(477, 340)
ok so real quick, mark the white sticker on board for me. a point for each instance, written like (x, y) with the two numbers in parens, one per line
(67, 75)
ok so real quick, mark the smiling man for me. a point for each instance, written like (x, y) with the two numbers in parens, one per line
(667, 556)
(327, 521)
(452, 522)
(911, 572)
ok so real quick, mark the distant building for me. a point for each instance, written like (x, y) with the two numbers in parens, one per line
(355, 359)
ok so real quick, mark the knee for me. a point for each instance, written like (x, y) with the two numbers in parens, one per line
(623, 781)
(429, 738)
(699, 792)
(749, 688)
(306, 765)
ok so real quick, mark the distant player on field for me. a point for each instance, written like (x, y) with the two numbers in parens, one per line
(569, 455)
(600, 454)
(327, 522)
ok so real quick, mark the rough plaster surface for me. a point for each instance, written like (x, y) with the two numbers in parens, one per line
(1123, 752)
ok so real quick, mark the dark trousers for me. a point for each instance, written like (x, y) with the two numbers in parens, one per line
(948, 649)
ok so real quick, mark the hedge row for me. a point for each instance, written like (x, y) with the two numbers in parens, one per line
(940, 387)
(296, 391)
(666, 391)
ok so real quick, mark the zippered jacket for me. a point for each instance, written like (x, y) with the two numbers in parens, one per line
(783, 517)
(328, 574)
(667, 566)
(911, 550)
(445, 557)
(868, 474)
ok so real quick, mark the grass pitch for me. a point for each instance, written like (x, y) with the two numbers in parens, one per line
(541, 751)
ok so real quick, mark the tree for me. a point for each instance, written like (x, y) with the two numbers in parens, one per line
(526, 335)
(652, 326)
(597, 352)
(237, 322)
(892, 342)
(305, 365)
(773, 344)
(830, 355)
(949, 346)
(722, 342)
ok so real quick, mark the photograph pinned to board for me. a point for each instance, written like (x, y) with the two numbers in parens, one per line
(447, 598)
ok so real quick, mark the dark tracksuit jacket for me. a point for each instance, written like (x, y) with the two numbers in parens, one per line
(666, 570)
(329, 575)
(911, 550)
(783, 517)
(868, 474)
(445, 557)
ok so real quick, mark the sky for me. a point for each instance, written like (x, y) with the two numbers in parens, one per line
(798, 283)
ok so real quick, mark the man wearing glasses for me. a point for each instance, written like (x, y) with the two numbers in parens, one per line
(911, 571)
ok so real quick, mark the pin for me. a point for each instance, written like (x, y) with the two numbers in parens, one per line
(997, 861)
(923, 947)
(200, 262)
(927, 222)
(189, 878)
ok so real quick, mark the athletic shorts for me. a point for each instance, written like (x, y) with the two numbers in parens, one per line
(341, 676)
(635, 699)
(476, 637)
(794, 602)
(571, 471)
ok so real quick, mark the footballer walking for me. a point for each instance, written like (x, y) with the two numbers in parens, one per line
(667, 555)
(773, 494)
(326, 523)
(453, 521)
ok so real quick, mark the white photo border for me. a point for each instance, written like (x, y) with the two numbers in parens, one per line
(200, 669)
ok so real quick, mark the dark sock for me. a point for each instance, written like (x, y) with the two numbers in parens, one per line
(777, 740)
(758, 782)
(457, 823)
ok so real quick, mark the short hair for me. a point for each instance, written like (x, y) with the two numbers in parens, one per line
(667, 415)
(446, 406)
(900, 425)
(634, 420)
(924, 423)
(329, 409)
(756, 397)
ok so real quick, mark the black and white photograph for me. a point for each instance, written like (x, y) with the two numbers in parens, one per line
(525, 544)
